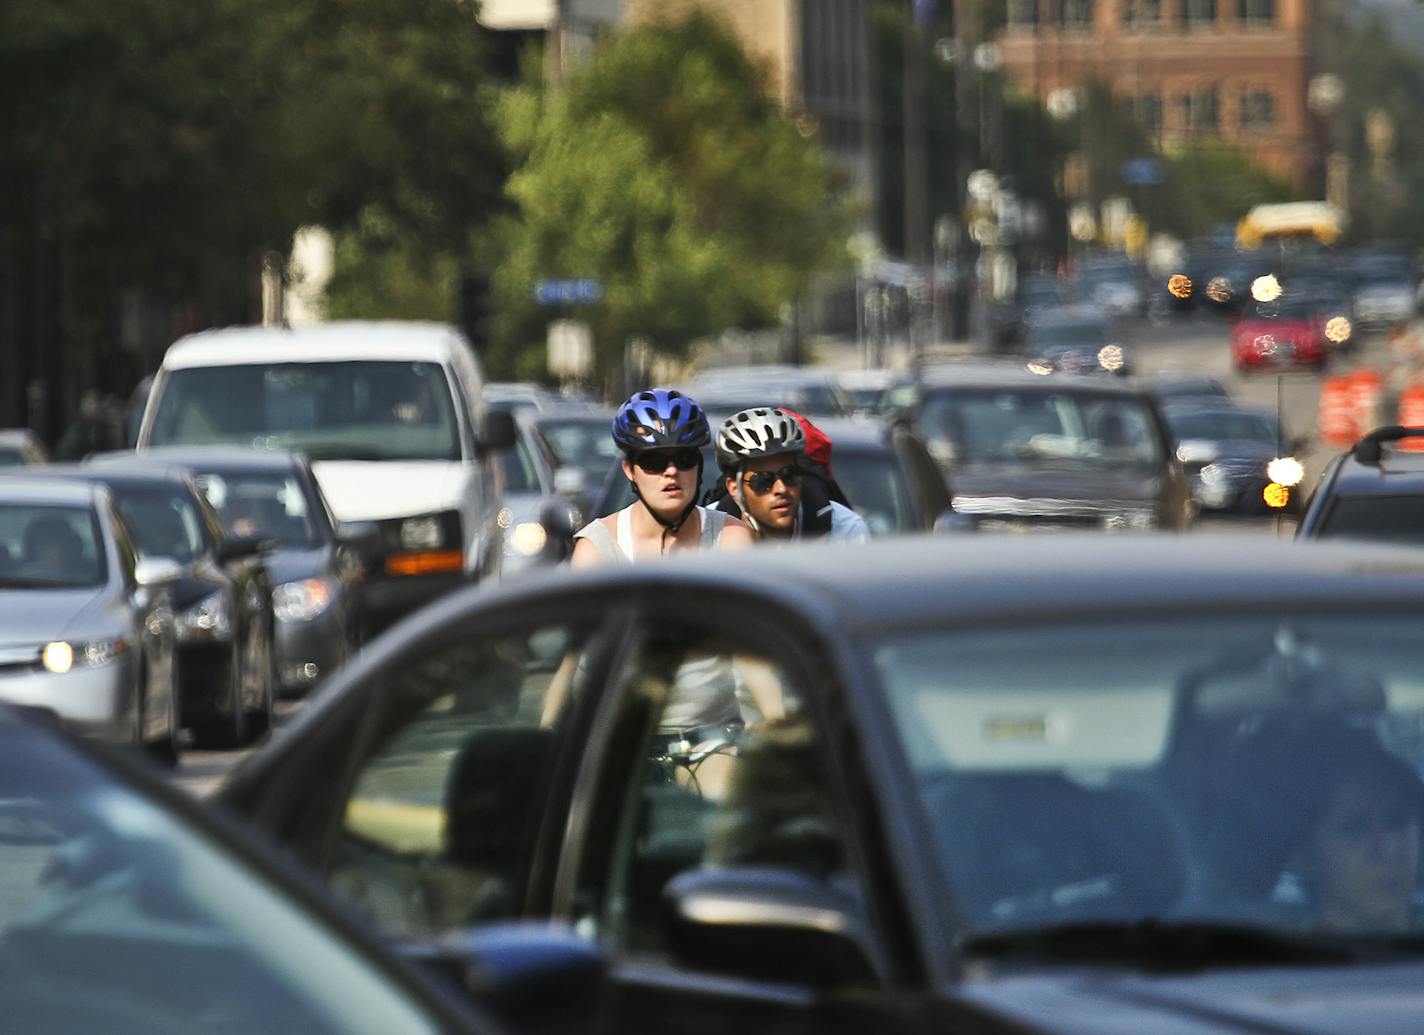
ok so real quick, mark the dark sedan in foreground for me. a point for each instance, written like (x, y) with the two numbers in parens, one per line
(1046, 785)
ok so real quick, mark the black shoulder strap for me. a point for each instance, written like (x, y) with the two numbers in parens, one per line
(815, 507)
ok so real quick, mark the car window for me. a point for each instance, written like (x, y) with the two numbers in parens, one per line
(438, 827)
(1259, 769)
(270, 505)
(720, 766)
(50, 547)
(1382, 518)
(368, 410)
(163, 524)
(876, 486)
(518, 468)
(120, 915)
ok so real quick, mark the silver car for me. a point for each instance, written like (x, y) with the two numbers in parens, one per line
(86, 630)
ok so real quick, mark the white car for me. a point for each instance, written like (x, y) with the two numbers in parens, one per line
(392, 417)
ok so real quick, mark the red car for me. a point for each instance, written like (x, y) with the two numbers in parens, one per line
(1278, 335)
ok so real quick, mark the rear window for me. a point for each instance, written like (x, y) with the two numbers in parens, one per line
(44, 546)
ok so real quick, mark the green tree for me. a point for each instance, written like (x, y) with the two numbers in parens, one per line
(663, 169)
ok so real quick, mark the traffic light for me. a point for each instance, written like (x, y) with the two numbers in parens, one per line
(476, 309)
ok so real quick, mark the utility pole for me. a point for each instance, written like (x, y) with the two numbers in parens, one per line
(915, 175)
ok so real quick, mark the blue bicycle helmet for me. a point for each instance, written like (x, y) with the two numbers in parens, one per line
(660, 418)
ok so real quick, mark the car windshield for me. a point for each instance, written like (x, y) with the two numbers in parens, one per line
(50, 547)
(1257, 770)
(1069, 334)
(875, 484)
(365, 410)
(1036, 427)
(1385, 518)
(121, 917)
(11, 457)
(163, 524)
(1233, 427)
(271, 506)
(584, 444)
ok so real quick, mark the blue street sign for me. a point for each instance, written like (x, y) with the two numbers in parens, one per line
(1142, 172)
(568, 292)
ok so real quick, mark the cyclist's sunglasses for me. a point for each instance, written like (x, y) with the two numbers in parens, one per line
(762, 482)
(656, 461)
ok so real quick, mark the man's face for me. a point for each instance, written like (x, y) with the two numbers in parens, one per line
(771, 493)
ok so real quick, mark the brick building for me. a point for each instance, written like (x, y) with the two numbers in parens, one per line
(1192, 70)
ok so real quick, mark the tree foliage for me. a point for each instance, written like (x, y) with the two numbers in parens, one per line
(663, 169)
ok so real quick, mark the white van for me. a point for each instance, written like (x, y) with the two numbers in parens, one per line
(391, 416)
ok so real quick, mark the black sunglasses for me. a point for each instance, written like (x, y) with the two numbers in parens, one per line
(656, 462)
(762, 482)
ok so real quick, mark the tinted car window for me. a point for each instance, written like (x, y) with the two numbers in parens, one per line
(1019, 427)
(1207, 769)
(118, 916)
(163, 524)
(584, 444)
(270, 505)
(875, 484)
(518, 467)
(372, 410)
(55, 547)
(1391, 518)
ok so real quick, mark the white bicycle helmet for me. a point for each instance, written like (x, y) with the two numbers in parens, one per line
(755, 433)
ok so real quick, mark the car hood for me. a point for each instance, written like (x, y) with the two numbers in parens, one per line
(38, 616)
(1047, 489)
(288, 564)
(1379, 999)
(363, 490)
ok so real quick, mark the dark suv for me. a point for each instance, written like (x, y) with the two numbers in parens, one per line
(1371, 492)
(1026, 451)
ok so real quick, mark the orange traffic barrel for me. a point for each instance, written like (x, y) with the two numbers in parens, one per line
(1336, 419)
(1411, 415)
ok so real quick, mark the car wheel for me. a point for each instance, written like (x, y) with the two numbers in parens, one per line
(227, 728)
(259, 719)
(166, 749)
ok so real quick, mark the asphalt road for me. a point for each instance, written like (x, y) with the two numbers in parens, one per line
(1196, 345)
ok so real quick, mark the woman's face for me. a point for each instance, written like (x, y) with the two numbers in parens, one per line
(1364, 855)
(667, 479)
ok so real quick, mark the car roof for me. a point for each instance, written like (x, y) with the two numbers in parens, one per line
(1397, 473)
(328, 342)
(761, 374)
(44, 488)
(226, 458)
(1017, 375)
(116, 473)
(853, 433)
(18, 436)
(976, 580)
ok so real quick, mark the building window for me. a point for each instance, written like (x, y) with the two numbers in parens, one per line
(1147, 113)
(1198, 14)
(1075, 14)
(1023, 14)
(1201, 112)
(1258, 109)
(1141, 12)
(1260, 13)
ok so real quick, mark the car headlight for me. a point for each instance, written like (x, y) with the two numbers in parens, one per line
(60, 657)
(301, 601)
(1213, 474)
(422, 533)
(1286, 470)
(208, 619)
(526, 538)
(1111, 358)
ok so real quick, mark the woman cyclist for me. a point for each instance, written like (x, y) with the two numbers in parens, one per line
(661, 433)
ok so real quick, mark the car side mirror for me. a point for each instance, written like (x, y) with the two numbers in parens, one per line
(767, 924)
(497, 431)
(238, 547)
(155, 571)
(955, 522)
(560, 520)
(534, 977)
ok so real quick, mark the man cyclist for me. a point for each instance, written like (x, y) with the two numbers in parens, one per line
(762, 453)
